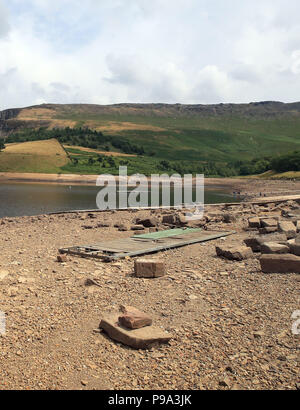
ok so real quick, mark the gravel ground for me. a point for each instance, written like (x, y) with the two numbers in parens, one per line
(231, 324)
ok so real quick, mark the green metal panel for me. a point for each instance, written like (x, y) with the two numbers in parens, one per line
(167, 233)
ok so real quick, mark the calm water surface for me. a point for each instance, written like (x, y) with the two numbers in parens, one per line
(19, 199)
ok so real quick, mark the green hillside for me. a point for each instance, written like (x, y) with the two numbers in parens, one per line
(220, 134)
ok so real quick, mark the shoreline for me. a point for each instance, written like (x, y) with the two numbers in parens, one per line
(246, 188)
(81, 179)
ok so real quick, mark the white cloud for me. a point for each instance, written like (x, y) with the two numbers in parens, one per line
(4, 25)
(188, 51)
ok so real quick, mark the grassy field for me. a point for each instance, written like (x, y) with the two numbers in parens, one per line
(185, 137)
(37, 156)
(87, 162)
(282, 175)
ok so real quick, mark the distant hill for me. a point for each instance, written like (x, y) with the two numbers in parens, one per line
(221, 132)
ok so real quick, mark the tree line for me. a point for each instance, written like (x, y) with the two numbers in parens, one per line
(83, 137)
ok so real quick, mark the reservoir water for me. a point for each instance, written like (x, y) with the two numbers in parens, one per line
(20, 199)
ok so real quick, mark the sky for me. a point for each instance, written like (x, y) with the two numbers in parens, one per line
(141, 51)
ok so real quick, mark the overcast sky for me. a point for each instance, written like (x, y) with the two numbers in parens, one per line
(172, 51)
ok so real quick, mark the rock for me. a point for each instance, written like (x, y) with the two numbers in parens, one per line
(133, 318)
(259, 334)
(149, 222)
(137, 227)
(142, 338)
(193, 297)
(269, 223)
(140, 232)
(226, 382)
(287, 263)
(103, 225)
(255, 242)
(298, 226)
(273, 247)
(170, 219)
(254, 222)
(268, 230)
(288, 228)
(3, 274)
(295, 248)
(62, 258)
(230, 218)
(238, 252)
(122, 228)
(149, 268)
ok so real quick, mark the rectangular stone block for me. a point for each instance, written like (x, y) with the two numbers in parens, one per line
(149, 268)
(256, 242)
(169, 219)
(288, 228)
(267, 230)
(268, 223)
(273, 247)
(254, 222)
(280, 263)
(133, 318)
(142, 338)
(238, 252)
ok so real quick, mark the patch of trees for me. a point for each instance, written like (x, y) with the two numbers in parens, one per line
(2, 145)
(286, 162)
(195, 167)
(253, 167)
(83, 137)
